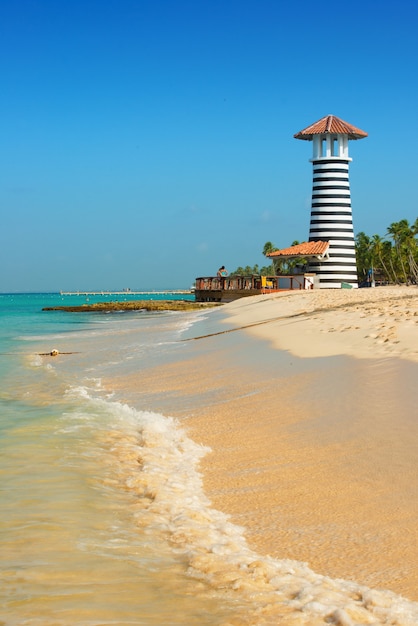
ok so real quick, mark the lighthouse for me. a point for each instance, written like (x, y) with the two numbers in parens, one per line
(331, 214)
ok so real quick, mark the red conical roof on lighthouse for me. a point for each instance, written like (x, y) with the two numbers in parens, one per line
(330, 124)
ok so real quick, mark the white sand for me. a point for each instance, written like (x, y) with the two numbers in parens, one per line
(315, 457)
(320, 465)
(364, 323)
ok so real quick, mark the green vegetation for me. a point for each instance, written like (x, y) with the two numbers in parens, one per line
(393, 258)
(389, 259)
(255, 270)
(278, 266)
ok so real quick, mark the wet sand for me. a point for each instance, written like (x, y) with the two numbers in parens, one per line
(308, 403)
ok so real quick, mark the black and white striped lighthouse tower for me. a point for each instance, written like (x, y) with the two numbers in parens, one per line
(331, 216)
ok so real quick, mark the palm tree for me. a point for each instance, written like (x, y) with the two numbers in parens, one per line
(411, 246)
(363, 255)
(378, 249)
(399, 231)
(388, 252)
(270, 247)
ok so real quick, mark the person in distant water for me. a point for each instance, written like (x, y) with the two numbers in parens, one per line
(222, 271)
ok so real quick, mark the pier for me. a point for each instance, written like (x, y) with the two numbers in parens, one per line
(125, 293)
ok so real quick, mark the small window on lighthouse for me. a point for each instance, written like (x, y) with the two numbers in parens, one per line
(334, 149)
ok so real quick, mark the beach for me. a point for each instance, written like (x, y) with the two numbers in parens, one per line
(364, 323)
(244, 465)
(307, 401)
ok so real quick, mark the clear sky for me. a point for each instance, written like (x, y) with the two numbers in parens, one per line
(147, 142)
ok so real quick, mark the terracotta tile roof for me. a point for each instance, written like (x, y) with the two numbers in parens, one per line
(311, 248)
(330, 124)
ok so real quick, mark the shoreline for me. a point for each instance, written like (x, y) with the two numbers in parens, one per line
(313, 451)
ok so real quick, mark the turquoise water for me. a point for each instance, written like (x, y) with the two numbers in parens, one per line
(73, 548)
(104, 519)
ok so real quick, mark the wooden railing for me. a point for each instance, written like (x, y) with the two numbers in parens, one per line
(264, 284)
(214, 283)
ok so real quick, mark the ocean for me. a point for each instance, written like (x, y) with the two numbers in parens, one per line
(103, 513)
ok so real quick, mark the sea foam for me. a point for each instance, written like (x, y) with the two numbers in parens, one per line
(153, 457)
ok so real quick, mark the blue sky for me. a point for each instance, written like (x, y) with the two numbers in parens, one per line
(144, 143)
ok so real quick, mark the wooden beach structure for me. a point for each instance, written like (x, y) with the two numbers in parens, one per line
(226, 289)
(229, 288)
